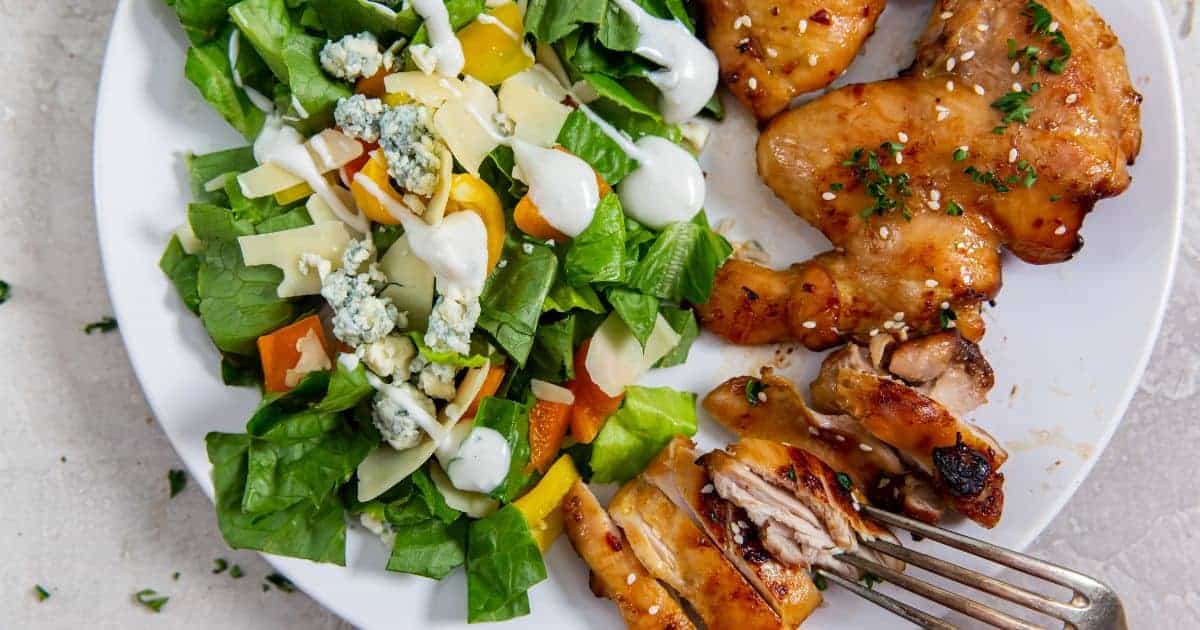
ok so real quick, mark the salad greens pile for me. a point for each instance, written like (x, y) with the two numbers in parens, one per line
(285, 484)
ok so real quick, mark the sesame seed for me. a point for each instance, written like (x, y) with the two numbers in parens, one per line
(762, 396)
(887, 325)
(945, 305)
(899, 158)
(1072, 98)
(965, 148)
(931, 283)
(737, 538)
(527, 248)
(952, 324)
(866, 448)
(772, 53)
(653, 610)
(752, 83)
(983, 28)
(733, 527)
(950, 64)
(946, 15)
(874, 331)
(839, 438)
(503, 263)
(810, 324)
(883, 231)
(902, 137)
(814, 431)
(550, 242)
(631, 578)
(950, 86)
(935, 194)
(742, 21)
(743, 41)
(899, 316)
(979, 89)
(802, 26)
(1053, 28)
(934, 205)
(943, 114)
(1016, 87)
(707, 489)
(967, 56)
(1060, 230)
(1016, 67)
(1013, 155)
(812, 59)
(828, 196)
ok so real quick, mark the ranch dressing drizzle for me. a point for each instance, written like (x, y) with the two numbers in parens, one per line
(482, 461)
(484, 18)
(284, 147)
(405, 400)
(689, 73)
(256, 97)
(444, 43)
(667, 186)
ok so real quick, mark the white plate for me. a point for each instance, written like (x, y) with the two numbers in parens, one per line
(1070, 340)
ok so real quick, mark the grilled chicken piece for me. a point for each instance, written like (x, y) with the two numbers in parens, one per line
(675, 551)
(962, 459)
(644, 603)
(780, 414)
(789, 590)
(773, 50)
(1027, 188)
(804, 514)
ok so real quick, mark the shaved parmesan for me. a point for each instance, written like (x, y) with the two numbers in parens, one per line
(533, 99)
(473, 504)
(266, 179)
(435, 210)
(616, 360)
(410, 283)
(386, 467)
(332, 149)
(471, 384)
(188, 240)
(464, 123)
(428, 90)
(550, 392)
(284, 249)
(546, 56)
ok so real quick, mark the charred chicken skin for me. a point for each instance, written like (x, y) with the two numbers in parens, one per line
(920, 181)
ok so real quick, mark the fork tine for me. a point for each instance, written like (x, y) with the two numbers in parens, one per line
(895, 606)
(940, 595)
(1062, 576)
(979, 581)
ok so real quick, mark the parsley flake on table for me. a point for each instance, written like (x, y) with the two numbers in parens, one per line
(5, 291)
(280, 583)
(150, 598)
(40, 592)
(219, 565)
(177, 480)
(106, 324)
(235, 572)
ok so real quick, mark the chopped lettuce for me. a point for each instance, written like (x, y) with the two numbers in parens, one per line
(598, 253)
(201, 19)
(204, 168)
(267, 25)
(347, 17)
(564, 297)
(503, 562)
(181, 269)
(646, 421)
(238, 304)
(512, 300)
(429, 548)
(510, 420)
(316, 93)
(554, 351)
(682, 262)
(207, 67)
(449, 357)
(683, 322)
(584, 138)
(638, 310)
(211, 222)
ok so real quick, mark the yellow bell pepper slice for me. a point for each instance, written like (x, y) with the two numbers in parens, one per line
(494, 52)
(468, 192)
(375, 170)
(294, 193)
(541, 505)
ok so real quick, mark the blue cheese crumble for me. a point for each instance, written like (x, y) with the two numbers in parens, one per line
(412, 149)
(358, 117)
(437, 380)
(360, 315)
(392, 413)
(352, 57)
(451, 322)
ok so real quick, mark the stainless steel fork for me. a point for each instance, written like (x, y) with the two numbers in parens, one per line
(1092, 605)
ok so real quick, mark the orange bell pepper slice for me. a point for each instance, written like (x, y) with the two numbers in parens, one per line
(375, 170)
(548, 424)
(491, 383)
(372, 86)
(279, 354)
(592, 406)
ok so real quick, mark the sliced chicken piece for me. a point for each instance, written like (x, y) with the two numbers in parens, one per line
(770, 408)
(788, 589)
(962, 459)
(616, 573)
(675, 551)
(804, 512)
(773, 50)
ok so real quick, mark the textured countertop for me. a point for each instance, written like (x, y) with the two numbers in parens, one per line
(83, 465)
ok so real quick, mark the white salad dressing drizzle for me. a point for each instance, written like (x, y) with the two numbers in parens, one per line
(666, 187)
(404, 399)
(689, 73)
(256, 97)
(482, 461)
(443, 42)
(484, 18)
(284, 147)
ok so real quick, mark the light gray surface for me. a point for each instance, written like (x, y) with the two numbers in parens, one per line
(83, 505)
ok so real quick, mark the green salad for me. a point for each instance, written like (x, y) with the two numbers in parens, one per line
(456, 237)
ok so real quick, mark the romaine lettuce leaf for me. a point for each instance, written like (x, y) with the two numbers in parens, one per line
(551, 20)
(584, 138)
(201, 19)
(208, 166)
(448, 357)
(564, 297)
(597, 254)
(430, 548)
(510, 420)
(512, 300)
(207, 67)
(346, 17)
(267, 25)
(638, 310)
(554, 351)
(211, 223)
(310, 86)
(646, 421)
(682, 262)
(181, 269)
(238, 304)
(503, 562)
(296, 217)
(683, 322)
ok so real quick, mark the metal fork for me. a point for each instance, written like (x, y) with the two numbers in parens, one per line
(1092, 605)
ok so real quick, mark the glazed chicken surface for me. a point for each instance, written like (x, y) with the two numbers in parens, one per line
(920, 181)
(771, 51)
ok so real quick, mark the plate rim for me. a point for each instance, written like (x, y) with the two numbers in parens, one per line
(1151, 334)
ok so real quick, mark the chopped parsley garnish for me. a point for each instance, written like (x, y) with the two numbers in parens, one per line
(837, 187)
(819, 581)
(219, 565)
(106, 324)
(40, 592)
(960, 154)
(987, 178)
(177, 480)
(790, 473)
(1014, 106)
(1041, 23)
(5, 290)
(175, 576)
(888, 191)
(281, 583)
(235, 572)
(1055, 198)
(845, 481)
(754, 387)
(150, 599)
(953, 209)
(946, 316)
(869, 580)
(1026, 174)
